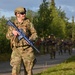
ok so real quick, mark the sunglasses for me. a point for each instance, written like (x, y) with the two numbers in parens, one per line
(22, 13)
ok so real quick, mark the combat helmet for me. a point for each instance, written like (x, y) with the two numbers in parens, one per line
(20, 9)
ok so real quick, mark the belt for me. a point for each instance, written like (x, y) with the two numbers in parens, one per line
(25, 46)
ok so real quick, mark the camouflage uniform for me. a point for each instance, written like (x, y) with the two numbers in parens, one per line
(69, 46)
(52, 46)
(61, 44)
(20, 49)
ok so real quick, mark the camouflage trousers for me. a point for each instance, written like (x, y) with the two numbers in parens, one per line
(52, 51)
(19, 54)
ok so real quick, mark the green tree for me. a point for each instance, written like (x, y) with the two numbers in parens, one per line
(30, 14)
(42, 19)
(12, 18)
(4, 44)
(57, 24)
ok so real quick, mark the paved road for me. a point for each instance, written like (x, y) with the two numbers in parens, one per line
(43, 62)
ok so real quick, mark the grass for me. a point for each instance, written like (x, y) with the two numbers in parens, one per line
(65, 68)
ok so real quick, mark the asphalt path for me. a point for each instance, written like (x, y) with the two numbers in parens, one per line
(43, 62)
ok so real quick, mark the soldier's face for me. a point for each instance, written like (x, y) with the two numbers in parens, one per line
(21, 15)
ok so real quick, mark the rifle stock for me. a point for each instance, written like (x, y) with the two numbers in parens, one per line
(22, 35)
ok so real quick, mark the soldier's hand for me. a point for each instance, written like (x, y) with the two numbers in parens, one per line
(15, 33)
(27, 43)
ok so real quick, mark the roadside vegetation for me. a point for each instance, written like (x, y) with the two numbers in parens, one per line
(65, 68)
(4, 57)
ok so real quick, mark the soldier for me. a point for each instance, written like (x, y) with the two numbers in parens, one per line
(52, 46)
(65, 45)
(70, 45)
(38, 43)
(46, 45)
(61, 44)
(21, 50)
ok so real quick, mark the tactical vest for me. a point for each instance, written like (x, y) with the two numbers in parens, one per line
(25, 26)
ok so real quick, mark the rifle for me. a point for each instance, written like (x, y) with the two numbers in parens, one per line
(22, 35)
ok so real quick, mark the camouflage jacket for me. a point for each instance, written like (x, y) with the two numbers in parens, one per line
(27, 28)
